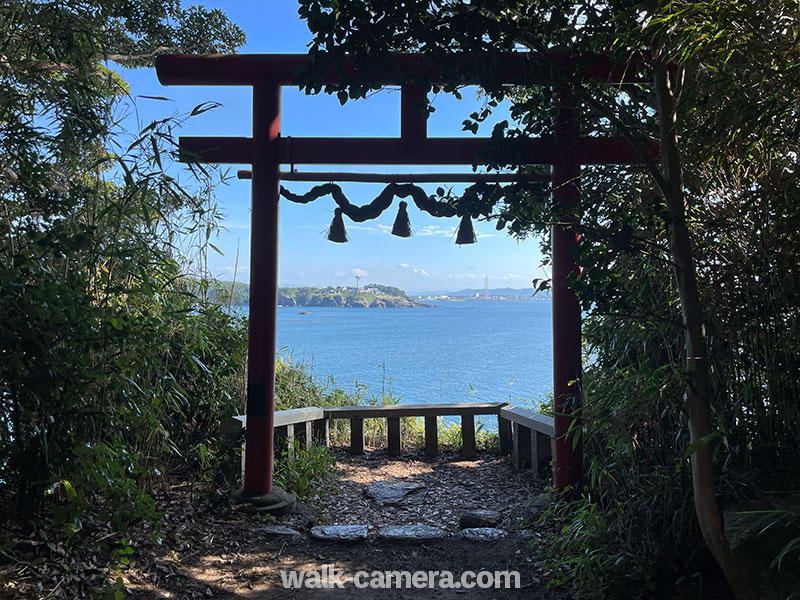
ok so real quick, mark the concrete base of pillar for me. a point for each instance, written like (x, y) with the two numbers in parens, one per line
(278, 502)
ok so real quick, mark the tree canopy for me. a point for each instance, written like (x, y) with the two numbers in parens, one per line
(113, 368)
(676, 256)
(106, 371)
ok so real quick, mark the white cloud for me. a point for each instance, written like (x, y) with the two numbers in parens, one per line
(414, 270)
(424, 231)
(374, 229)
(427, 230)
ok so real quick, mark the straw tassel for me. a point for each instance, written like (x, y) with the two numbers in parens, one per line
(466, 234)
(336, 232)
(402, 224)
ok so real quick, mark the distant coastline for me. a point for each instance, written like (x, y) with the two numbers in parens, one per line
(369, 296)
(372, 295)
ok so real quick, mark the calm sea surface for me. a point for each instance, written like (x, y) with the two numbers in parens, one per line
(472, 351)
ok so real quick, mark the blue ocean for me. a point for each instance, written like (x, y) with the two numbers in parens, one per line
(457, 351)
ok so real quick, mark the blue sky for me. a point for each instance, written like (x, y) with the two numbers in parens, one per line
(429, 260)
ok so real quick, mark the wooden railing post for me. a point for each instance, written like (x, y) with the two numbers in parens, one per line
(431, 436)
(321, 432)
(468, 447)
(506, 438)
(394, 436)
(357, 435)
(302, 433)
(284, 439)
(541, 452)
(521, 456)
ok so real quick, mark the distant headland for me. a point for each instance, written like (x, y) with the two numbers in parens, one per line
(372, 295)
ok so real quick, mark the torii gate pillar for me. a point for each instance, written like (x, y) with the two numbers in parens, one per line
(265, 151)
(567, 391)
(263, 289)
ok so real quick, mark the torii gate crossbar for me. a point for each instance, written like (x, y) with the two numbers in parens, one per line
(266, 150)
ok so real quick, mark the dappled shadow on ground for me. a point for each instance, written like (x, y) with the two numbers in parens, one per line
(224, 552)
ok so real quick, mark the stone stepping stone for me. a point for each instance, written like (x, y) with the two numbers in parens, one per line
(480, 518)
(483, 534)
(411, 533)
(339, 533)
(391, 492)
(279, 531)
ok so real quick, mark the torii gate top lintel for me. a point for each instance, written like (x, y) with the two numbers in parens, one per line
(566, 151)
(413, 147)
(518, 68)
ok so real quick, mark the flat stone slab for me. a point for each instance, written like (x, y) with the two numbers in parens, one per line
(391, 492)
(411, 533)
(483, 534)
(274, 531)
(339, 533)
(480, 518)
(277, 502)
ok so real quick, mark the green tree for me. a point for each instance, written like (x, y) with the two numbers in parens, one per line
(107, 364)
(720, 106)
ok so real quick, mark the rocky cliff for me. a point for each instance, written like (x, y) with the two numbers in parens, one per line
(347, 297)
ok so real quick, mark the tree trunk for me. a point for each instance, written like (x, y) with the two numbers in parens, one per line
(698, 390)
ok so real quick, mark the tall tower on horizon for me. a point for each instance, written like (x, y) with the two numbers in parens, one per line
(486, 287)
(358, 279)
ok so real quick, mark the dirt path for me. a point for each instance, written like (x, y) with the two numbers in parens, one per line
(227, 554)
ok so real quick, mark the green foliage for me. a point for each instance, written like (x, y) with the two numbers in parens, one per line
(388, 290)
(112, 373)
(224, 293)
(304, 471)
(734, 85)
(344, 296)
(115, 591)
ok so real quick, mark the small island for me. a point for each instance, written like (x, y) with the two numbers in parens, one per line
(372, 295)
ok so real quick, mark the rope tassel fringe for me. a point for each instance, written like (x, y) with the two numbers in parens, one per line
(402, 224)
(337, 232)
(466, 233)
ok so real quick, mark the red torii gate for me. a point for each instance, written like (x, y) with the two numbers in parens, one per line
(266, 150)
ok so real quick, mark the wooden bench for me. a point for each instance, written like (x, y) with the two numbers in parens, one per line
(430, 412)
(528, 437)
(525, 435)
(302, 424)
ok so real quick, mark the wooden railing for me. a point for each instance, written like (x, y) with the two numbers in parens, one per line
(525, 435)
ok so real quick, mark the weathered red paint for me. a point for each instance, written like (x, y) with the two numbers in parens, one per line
(567, 392)
(263, 289)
